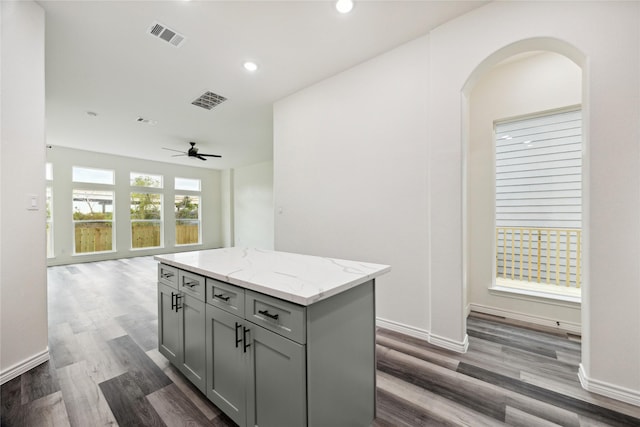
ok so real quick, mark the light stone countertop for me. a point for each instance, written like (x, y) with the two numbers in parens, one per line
(301, 279)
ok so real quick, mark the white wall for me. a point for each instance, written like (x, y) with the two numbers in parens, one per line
(23, 282)
(536, 83)
(63, 159)
(253, 206)
(351, 156)
(350, 175)
(460, 51)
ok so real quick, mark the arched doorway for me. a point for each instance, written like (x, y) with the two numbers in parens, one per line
(524, 194)
(555, 50)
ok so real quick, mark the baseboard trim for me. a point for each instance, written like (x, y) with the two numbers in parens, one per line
(458, 347)
(22, 367)
(403, 329)
(609, 390)
(574, 328)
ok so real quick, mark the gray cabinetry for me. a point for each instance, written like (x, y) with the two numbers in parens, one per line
(267, 362)
(181, 323)
(276, 388)
(255, 376)
(226, 363)
(168, 323)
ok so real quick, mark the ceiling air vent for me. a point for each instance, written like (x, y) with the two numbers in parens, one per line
(208, 100)
(170, 36)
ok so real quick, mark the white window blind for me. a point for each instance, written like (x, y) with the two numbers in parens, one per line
(539, 171)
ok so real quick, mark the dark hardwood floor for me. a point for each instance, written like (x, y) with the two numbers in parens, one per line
(105, 368)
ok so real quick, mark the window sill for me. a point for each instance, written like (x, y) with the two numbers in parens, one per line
(550, 294)
(93, 253)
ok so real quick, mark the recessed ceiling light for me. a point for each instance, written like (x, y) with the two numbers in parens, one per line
(344, 6)
(250, 66)
(92, 114)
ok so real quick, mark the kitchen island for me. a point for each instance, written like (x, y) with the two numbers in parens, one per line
(272, 338)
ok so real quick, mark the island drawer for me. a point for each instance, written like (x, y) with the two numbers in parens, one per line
(281, 317)
(168, 275)
(192, 284)
(225, 296)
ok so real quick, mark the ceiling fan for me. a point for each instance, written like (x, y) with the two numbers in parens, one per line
(193, 152)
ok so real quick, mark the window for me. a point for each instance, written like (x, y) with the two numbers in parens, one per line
(539, 199)
(187, 219)
(92, 176)
(48, 172)
(93, 221)
(187, 184)
(146, 220)
(145, 180)
(187, 211)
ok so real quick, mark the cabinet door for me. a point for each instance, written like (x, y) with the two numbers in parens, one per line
(169, 324)
(192, 322)
(276, 386)
(226, 363)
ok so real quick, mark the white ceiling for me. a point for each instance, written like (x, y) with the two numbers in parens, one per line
(99, 58)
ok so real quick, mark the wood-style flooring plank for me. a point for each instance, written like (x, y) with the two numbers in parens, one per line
(518, 418)
(175, 409)
(85, 403)
(142, 327)
(201, 402)
(11, 403)
(128, 402)
(582, 408)
(413, 404)
(39, 382)
(100, 361)
(142, 369)
(47, 411)
(63, 347)
(441, 381)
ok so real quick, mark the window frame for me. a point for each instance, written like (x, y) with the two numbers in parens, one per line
(159, 221)
(112, 221)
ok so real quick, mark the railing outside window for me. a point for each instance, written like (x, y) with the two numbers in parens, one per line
(540, 255)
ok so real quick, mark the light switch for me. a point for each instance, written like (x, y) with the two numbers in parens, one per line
(32, 202)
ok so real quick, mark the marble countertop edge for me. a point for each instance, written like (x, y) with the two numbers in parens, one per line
(260, 277)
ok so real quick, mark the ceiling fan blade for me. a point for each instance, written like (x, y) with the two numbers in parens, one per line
(200, 157)
(171, 149)
(210, 155)
(178, 155)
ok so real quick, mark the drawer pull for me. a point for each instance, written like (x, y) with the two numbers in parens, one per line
(223, 297)
(167, 275)
(238, 341)
(192, 283)
(175, 306)
(269, 315)
(244, 338)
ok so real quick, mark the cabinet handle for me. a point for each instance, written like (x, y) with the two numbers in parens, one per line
(178, 297)
(238, 341)
(192, 283)
(269, 315)
(167, 275)
(244, 338)
(222, 297)
(173, 298)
